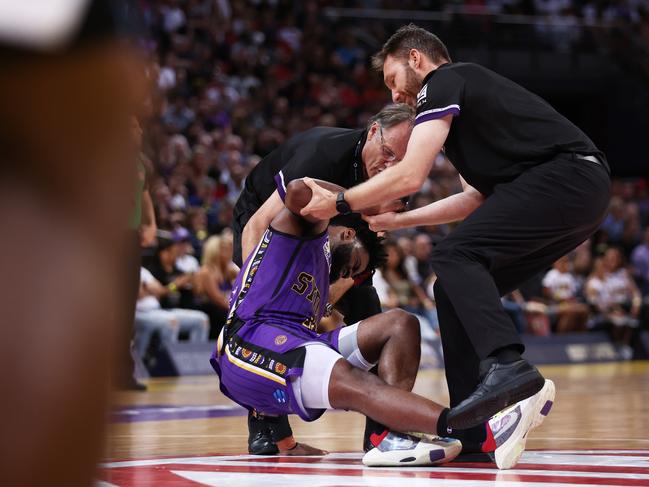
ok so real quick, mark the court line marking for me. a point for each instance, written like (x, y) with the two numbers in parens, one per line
(228, 480)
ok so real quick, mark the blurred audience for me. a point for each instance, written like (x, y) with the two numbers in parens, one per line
(234, 82)
(396, 289)
(151, 317)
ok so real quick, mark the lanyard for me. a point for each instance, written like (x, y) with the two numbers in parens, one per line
(357, 157)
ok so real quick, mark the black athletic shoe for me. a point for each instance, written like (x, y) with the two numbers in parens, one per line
(260, 438)
(501, 386)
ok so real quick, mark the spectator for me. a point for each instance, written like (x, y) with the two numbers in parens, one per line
(560, 287)
(213, 282)
(514, 305)
(150, 318)
(185, 260)
(421, 256)
(640, 261)
(615, 297)
(401, 291)
(164, 269)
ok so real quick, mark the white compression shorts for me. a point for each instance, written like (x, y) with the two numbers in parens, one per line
(312, 387)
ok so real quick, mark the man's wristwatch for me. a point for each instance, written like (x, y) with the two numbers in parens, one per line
(342, 206)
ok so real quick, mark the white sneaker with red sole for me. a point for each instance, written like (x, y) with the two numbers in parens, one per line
(507, 430)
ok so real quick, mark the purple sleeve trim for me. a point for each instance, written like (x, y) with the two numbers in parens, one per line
(281, 189)
(435, 115)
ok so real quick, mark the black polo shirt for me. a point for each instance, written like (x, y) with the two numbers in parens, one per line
(330, 154)
(499, 128)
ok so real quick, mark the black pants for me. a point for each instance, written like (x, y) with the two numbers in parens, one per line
(519, 231)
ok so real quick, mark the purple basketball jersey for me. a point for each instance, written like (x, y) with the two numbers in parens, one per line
(276, 304)
(284, 281)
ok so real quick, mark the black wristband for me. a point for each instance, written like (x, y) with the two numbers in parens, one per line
(342, 206)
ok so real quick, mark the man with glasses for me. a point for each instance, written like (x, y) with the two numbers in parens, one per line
(345, 157)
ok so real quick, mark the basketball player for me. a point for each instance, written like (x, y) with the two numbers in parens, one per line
(270, 358)
(535, 186)
(345, 157)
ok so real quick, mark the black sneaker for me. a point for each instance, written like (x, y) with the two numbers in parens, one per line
(260, 437)
(501, 386)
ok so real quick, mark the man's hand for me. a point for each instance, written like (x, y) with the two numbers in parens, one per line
(323, 202)
(384, 221)
(391, 206)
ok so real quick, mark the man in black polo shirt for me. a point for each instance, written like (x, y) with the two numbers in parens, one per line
(535, 186)
(346, 157)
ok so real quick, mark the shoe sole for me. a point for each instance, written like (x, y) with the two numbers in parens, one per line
(442, 451)
(481, 411)
(508, 455)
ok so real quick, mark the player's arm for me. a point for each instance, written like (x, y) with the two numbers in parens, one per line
(402, 179)
(452, 208)
(259, 222)
(298, 194)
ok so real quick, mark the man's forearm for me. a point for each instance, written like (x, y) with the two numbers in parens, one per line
(391, 184)
(450, 209)
(407, 176)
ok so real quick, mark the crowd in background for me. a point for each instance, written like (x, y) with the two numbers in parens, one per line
(234, 79)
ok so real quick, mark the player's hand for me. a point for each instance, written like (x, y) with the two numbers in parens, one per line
(302, 449)
(323, 202)
(384, 221)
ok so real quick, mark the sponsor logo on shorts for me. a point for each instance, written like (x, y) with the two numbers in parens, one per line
(280, 368)
(245, 353)
(280, 396)
(280, 339)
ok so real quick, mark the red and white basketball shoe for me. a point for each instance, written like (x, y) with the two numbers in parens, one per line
(507, 430)
(400, 450)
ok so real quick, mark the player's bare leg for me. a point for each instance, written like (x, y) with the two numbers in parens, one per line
(392, 339)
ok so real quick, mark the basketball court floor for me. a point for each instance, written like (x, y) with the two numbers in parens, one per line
(184, 432)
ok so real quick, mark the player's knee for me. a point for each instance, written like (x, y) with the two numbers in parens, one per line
(405, 324)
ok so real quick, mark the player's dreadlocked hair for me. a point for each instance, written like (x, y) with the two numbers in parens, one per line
(370, 240)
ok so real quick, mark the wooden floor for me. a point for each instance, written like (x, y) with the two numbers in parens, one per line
(597, 407)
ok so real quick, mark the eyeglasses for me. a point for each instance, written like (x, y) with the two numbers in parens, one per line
(388, 155)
